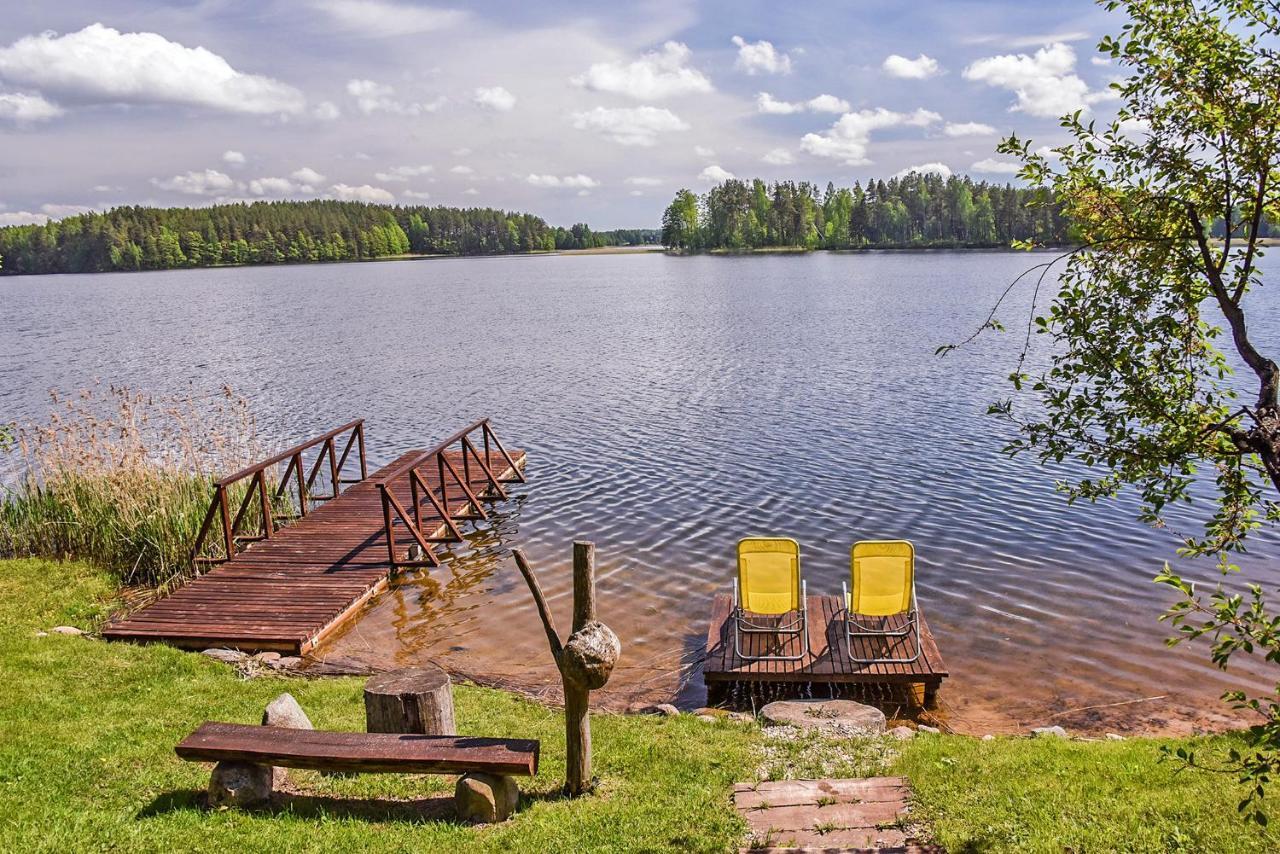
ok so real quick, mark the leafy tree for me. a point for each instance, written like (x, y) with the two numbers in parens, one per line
(1137, 386)
(680, 222)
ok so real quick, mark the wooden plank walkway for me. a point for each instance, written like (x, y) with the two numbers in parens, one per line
(286, 593)
(851, 815)
(828, 659)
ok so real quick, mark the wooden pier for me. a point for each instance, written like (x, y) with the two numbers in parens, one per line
(284, 587)
(827, 661)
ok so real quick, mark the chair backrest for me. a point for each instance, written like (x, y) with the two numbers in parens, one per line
(883, 576)
(769, 575)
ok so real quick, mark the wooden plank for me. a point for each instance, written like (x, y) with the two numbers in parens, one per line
(785, 793)
(359, 751)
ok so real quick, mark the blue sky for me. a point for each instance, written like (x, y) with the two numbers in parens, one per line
(596, 115)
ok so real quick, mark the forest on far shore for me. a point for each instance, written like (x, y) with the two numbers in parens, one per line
(925, 210)
(142, 238)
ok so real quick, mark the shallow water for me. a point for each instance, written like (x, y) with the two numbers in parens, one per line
(671, 406)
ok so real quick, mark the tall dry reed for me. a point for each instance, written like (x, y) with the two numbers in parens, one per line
(123, 479)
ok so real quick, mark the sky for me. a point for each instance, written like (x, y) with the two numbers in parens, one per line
(576, 114)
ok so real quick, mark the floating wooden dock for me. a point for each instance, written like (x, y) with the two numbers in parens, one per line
(284, 588)
(828, 660)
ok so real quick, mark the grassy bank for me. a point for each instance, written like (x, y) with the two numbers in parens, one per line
(86, 764)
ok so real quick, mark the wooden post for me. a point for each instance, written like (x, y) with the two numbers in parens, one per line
(413, 700)
(585, 660)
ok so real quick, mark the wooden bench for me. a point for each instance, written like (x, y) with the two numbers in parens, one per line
(372, 752)
(247, 755)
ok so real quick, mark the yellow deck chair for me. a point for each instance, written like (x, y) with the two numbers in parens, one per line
(768, 584)
(884, 586)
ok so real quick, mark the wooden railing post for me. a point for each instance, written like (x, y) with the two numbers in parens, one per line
(364, 470)
(267, 528)
(333, 464)
(387, 523)
(228, 535)
(302, 484)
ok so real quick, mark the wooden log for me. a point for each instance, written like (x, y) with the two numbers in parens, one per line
(585, 660)
(413, 700)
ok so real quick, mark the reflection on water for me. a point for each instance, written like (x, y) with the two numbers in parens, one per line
(671, 406)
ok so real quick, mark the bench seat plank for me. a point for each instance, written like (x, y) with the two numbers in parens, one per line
(359, 751)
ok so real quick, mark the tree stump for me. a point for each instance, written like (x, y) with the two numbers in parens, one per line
(413, 700)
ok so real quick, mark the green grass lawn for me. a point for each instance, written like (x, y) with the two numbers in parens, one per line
(86, 763)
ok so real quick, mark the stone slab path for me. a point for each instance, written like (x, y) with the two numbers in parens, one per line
(867, 814)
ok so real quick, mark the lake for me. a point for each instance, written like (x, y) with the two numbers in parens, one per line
(671, 406)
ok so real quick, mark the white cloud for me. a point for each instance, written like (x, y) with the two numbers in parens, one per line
(779, 157)
(102, 65)
(471, 191)
(307, 175)
(1031, 40)
(494, 98)
(848, 138)
(460, 152)
(1000, 167)
(275, 187)
(1045, 82)
(327, 111)
(827, 104)
(636, 193)
(760, 57)
(462, 170)
(766, 103)
(210, 182)
(54, 211)
(301, 181)
(233, 158)
(704, 151)
(362, 193)
(416, 194)
(579, 181)
(645, 182)
(920, 68)
(22, 218)
(402, 174)
(380, 18)
(714, 175)
(27, 108)
(934, 168)
(372, 97)
(629, 125)
(1099, 60)
(955, 129)
(653, 77)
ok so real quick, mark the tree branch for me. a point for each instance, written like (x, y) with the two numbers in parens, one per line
(548, 621)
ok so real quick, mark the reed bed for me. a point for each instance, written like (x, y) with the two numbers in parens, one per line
(122, 479)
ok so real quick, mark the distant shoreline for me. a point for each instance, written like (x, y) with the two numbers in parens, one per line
(602, 250)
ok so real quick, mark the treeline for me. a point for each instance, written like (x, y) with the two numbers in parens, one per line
(915, 210)
(140, 238)
(581, 236)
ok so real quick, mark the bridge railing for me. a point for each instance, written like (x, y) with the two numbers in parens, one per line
(296, 479)
(451, 462)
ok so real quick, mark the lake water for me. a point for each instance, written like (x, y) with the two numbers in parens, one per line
(671, 406)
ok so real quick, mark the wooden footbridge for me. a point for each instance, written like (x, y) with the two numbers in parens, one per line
(303, 550)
